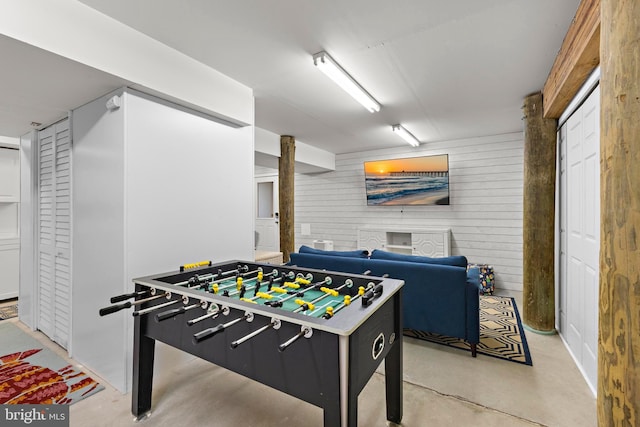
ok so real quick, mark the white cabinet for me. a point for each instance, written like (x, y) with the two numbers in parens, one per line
(431, 242)
(9, 175)
(9, 268)
(9, 224)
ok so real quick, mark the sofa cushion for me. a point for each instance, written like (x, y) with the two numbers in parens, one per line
(457, 261)
(351, 254)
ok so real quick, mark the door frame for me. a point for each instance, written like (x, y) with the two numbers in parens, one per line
(274, 178)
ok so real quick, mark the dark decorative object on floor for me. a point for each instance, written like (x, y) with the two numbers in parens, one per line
(487, 281)
(501, 332)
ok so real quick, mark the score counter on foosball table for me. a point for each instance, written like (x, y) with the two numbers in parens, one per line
(332, 328)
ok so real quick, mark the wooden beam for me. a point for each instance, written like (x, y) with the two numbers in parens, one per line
(538, 217)
(579, 55)
(619, 324)
(286, 176)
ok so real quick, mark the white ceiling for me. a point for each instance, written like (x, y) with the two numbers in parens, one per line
(39, 86)
(443, 69)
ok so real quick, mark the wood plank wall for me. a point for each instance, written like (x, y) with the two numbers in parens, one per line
(485, 215)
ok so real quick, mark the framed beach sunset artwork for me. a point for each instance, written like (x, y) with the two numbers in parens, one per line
(410, 181)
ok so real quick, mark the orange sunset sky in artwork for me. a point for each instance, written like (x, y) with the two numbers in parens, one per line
(430, 164)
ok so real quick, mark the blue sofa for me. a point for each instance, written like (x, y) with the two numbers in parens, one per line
(439, 295)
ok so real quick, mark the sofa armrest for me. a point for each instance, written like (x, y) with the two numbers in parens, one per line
(434, 296)
(473, 305)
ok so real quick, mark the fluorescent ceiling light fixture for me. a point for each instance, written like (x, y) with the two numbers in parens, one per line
(406, 135)
(331, 68)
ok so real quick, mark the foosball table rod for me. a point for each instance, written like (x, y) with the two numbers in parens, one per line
(256, 289)
(305, 331)
(208, 276)
(208, 333)
(125, 297)
(304, 305)
(275, 324)
(239, 282)
(348, 300)
(278, 303)
(214, 311)
(128, 304)
(184, 300)
(174, 312)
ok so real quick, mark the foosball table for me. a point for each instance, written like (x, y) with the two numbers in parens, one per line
(322, 333)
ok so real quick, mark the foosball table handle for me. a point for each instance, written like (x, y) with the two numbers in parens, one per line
(169, 314)
(174, 312)
(371, 294)
(114, 308)
(196, 265)
(125, 297)
(207, 333)
(118, 307)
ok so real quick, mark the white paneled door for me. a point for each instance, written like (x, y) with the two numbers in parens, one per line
(54, 232)
(267, 221)
(580, 234)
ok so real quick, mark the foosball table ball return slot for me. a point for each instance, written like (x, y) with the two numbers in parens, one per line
(312, 320)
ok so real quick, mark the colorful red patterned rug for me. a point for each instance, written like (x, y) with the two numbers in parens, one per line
(30, 373)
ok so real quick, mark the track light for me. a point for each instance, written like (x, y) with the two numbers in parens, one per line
(404, 134)
(335, 72)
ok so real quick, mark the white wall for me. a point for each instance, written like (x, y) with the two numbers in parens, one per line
(485, 214)
(98, 245)
(155, 187)
(190, 185)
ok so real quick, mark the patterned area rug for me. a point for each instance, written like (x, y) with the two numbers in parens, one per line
(8, 312)
(31, 373)
(501, 332)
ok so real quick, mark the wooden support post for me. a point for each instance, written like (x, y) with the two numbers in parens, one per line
(286, 171)
(538, 217)
(619, 325)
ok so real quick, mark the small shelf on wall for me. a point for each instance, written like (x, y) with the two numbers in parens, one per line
(398, 238)
(398, 247)
(401, 249)
(431, 242)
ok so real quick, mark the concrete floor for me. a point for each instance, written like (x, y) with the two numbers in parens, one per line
(442, 387)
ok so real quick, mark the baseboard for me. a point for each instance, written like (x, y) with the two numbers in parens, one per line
(594, 391)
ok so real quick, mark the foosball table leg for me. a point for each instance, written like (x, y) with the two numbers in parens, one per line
(393, 382)
(143, 355)
(340, 409)
(393, 370)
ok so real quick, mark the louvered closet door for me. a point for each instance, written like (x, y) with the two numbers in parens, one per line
(54, 245)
